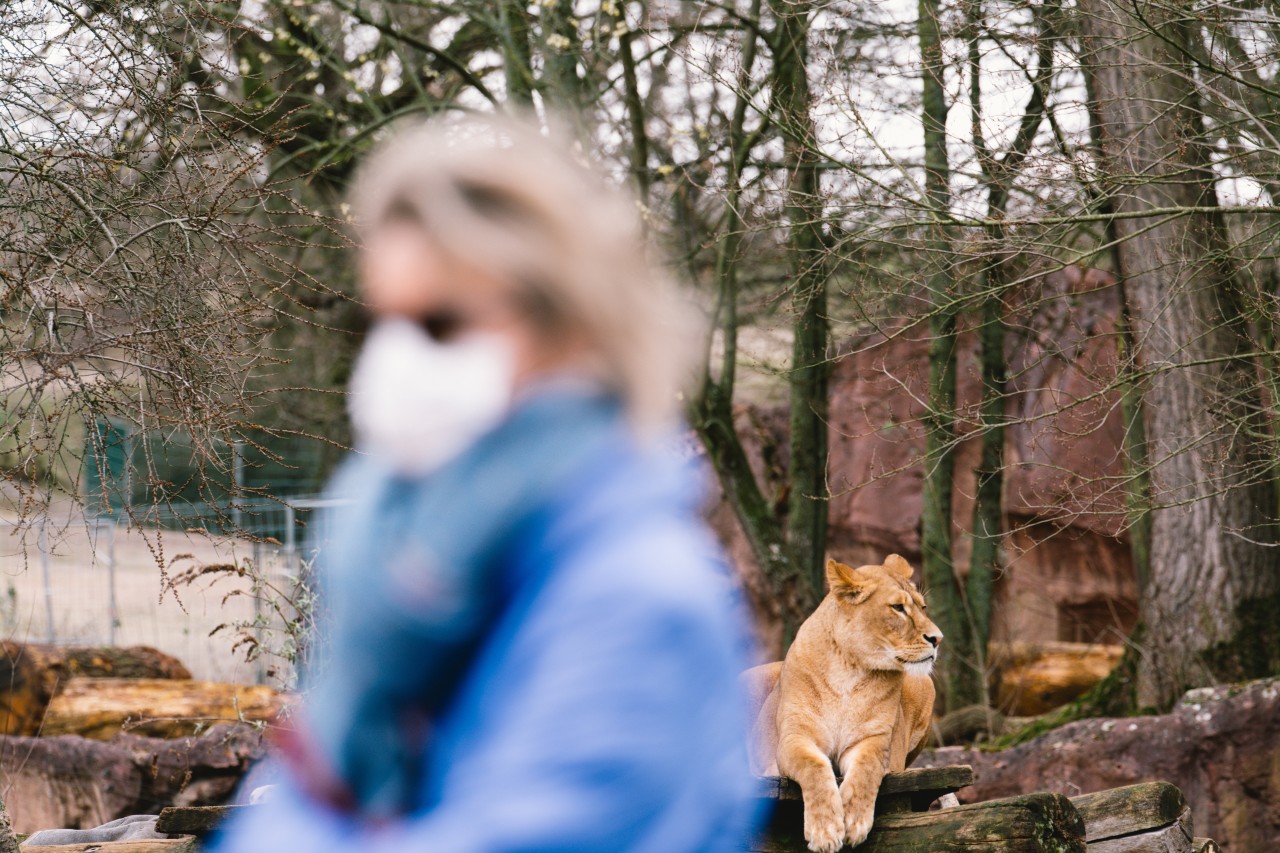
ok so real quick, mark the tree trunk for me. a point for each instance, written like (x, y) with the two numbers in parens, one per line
(960, 683)
(1213, 589)
(711, 413)
(998, 173)
(561, 84)
(810, 357)
(517, 59)
(8, 841)
(635, 117)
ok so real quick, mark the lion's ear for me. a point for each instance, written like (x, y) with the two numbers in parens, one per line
(895, 563)
(846, 582)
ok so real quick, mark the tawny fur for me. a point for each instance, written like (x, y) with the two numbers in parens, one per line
(854, 691)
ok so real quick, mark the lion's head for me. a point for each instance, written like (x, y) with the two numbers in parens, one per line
(880, 616)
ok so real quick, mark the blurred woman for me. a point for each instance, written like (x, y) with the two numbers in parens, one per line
(529, 641)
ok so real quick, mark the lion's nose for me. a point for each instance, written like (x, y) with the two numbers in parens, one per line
(933, 639)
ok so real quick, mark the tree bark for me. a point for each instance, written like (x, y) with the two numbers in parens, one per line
(561, 83)
(711, 413)
(8, 841)
(960, 683)
(1213, 581)
(810, 356)
(517, 59)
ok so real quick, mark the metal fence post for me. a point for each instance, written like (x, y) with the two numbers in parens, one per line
(237, 484)
(290, 540)
(113, 607)
(259, 634)
(42, 543)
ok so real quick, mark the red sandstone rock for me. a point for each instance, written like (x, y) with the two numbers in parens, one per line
(1069, 574)
(1220, 746)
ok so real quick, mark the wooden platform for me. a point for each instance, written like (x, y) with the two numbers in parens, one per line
(1152, 817)
(1035, 823)
(910, 790)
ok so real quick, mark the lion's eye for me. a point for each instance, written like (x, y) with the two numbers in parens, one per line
(899, 608)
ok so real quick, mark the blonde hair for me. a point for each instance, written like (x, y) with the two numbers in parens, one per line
(503, 195)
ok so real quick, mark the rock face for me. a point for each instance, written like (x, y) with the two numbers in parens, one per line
(1068, 572)
(73, 782)
(1220, 746)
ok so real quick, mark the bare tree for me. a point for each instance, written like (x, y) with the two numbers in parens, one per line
(1213, 568)
(138, 274)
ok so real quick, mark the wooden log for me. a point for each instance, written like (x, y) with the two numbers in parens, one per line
(910, 790)
(130, 662)
(99, 708)
(968, 725)
(1029, 679)
(159, 845)
(1133, 808)
(915, 790)
(1034, 823)
(1174, 838)
(31, 674)
(194, 820)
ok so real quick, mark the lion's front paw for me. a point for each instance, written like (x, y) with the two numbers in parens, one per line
(857, 824)
(823, 829)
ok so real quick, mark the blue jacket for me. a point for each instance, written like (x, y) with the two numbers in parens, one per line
(600, 711)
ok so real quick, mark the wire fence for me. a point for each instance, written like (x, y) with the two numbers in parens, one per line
(193, 581)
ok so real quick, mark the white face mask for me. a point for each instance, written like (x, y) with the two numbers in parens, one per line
(417, 403)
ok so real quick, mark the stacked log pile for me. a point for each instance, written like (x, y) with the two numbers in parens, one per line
(88, 735)
(99, 692)
(1150, 818)
(32, 675)
(1146, 818)
(904, 824)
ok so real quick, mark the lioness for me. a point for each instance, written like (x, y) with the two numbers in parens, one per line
(855, 690)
